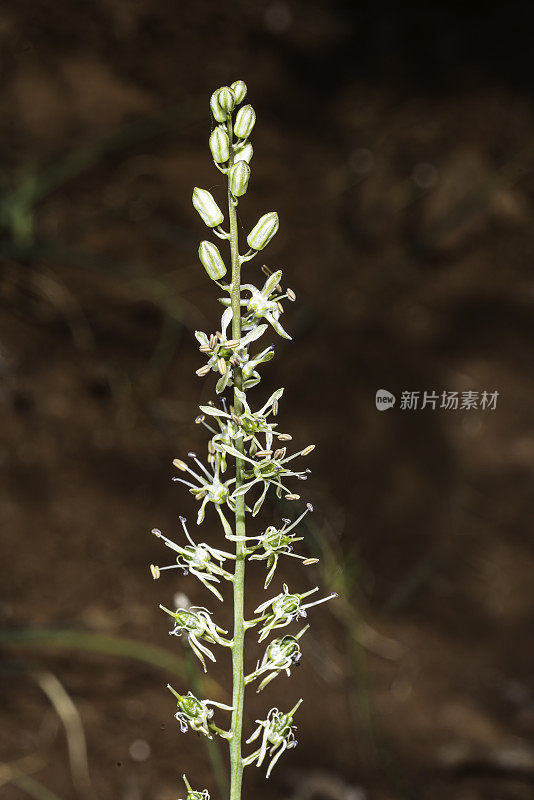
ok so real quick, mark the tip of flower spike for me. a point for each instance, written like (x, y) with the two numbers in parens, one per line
(154, 571)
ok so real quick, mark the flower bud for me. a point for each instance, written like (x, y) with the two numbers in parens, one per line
(244, 122)
(220, 145)
(206, 206)
(243, 152)
(216, 110)
(226, 99)
(264, 230)
(239, 89)
(239, 177)
(211, 260)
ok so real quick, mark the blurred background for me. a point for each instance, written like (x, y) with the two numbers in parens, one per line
(396, 143)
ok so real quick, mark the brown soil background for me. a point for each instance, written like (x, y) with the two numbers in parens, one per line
(396, 145)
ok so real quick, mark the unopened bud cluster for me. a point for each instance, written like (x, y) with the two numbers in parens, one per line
(247, 461)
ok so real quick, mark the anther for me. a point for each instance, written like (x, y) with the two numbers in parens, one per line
(179, 465)
(280, 453)
(308, 561)
(292, 496)
(205, 348)
(280, 306)
(275, 407)
(213, 341)
(221, 365)
(266, 271)
(232, 342)
(307, 450)
(291, 295)
(154, 571)
(263, 453)
(279, 288)
(203, 370)
(284, 437)
(235, 418)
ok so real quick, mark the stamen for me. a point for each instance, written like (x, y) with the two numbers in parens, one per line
(203, 371)
(284, 437)
(292, 496)
(179, 464)
(184, 526)
(307, 450)
(291, 295)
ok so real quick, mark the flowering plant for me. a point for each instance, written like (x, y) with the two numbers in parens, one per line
(243, 465)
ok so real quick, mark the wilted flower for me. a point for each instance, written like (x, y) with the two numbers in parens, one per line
(281, 654)
(194, 795)
(196, 623)
(194, 713)
(278, 735)
(285, 608)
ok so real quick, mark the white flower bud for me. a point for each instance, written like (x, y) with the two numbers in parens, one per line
(243, 152)
(238, 179)
(244, 122)
(264, 230)
(239, 89)
(206, 206)
(211, 260)
(220, 145)
(216, 110)
(226, 99)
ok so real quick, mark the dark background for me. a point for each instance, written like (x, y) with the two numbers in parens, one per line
(395, 141)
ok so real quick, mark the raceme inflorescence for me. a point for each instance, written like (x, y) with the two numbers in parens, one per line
(247, 458)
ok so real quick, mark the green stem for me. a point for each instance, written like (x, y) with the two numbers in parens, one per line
(238, 682)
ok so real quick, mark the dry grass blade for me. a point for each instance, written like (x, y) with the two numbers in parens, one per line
(72, 722)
